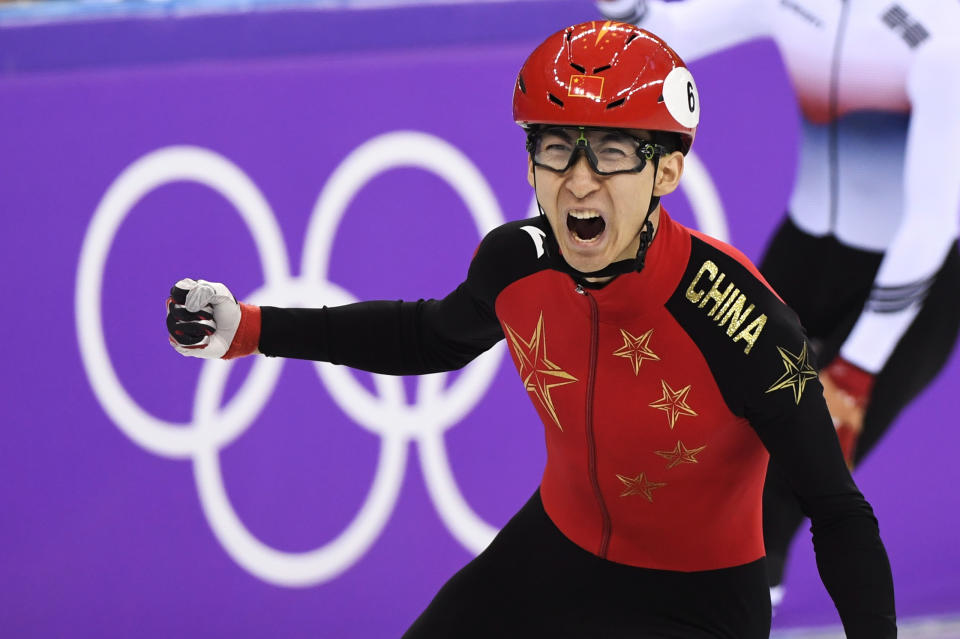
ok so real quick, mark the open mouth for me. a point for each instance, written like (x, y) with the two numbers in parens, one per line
(585, 225)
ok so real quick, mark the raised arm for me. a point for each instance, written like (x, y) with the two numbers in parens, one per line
(397, 338)
(391, 337)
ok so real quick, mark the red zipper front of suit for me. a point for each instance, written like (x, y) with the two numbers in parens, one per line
(591, 442)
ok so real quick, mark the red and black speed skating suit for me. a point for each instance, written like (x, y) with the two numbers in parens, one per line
(661, 393)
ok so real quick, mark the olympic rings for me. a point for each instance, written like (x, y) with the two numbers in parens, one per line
(385, 413)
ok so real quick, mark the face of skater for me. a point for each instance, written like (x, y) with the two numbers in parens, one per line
(597, 218)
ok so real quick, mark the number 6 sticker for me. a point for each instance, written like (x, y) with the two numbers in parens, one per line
(681, 97)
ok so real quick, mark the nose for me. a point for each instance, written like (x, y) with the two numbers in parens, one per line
(581, 180)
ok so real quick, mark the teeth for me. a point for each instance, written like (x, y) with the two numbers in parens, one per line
(592, 239)
(583, 215)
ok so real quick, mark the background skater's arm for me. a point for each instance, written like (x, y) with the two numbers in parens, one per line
(925, 236)
(695, 28)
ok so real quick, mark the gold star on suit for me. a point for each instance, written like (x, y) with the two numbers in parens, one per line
(639, 485)
(680, 455)
(636, 349)
(539, 374)
(674, 403)
(797, 373)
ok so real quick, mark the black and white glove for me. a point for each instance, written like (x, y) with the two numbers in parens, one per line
(205, 320)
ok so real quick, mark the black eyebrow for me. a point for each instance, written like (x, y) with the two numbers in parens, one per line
(559, 132)
(616, 134)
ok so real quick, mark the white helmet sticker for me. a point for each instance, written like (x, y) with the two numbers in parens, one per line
(681, 97)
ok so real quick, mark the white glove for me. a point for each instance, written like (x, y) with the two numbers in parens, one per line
(202, 318)
(632, 11)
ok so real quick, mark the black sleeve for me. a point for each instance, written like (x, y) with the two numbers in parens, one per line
(409, 338)
(759, 355)
(788, 412)
(396, 338)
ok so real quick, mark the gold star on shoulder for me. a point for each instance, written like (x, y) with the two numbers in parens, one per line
(539, 374)
(674, 403)
(639, 485)
(680, 455)
(797, 372)
(636, 349)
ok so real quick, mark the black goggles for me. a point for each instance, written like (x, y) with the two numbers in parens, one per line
(608, 151)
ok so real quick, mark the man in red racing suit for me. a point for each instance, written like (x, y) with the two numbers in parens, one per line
(664, 368)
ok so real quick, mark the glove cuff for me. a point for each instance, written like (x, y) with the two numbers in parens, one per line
(851, 379)
(247, 338)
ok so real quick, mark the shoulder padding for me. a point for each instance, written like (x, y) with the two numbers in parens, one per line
(734, 317)
(508, 253)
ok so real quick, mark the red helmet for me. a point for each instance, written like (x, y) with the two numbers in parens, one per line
(607, 74)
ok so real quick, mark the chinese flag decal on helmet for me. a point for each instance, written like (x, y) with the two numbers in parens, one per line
(607, 74)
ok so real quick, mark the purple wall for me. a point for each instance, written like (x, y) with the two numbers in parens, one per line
(139, 506)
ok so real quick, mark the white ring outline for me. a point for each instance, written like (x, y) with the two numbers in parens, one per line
(202, 440)
(171, 164)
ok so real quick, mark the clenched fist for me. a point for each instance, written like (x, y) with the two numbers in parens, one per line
(205, 320)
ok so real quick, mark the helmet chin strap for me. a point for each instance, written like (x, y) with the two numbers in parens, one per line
(631, 265)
